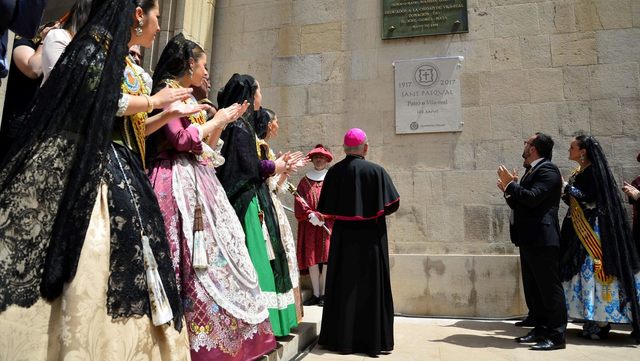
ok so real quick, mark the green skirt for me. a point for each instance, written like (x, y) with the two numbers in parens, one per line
(281, 304)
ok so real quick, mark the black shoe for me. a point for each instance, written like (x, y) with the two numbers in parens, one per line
(527, 322)
(321, 301)
(312, 301)
(529, 338)
(548, 345)
(594, 332)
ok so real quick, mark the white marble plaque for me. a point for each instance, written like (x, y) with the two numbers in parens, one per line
(428, 95)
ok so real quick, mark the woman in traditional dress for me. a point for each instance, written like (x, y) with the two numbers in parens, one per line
(314, 228)
(599, 264)
(226, 315)
(80, 221)
(279, 185)
(243, 175)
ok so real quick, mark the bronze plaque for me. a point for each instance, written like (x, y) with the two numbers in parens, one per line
(405, 18)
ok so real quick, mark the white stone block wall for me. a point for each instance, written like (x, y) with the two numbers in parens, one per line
(530, 65)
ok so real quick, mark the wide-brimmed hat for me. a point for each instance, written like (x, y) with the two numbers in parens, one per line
(319, 149)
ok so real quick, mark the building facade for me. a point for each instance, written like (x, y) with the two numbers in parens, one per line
(558, 67)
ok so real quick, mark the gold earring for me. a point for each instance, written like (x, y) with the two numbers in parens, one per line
(190, 73)
(139, 27)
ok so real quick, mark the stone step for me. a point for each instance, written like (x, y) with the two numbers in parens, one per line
(301, 339)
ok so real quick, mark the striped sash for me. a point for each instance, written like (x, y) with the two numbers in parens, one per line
(590, 240)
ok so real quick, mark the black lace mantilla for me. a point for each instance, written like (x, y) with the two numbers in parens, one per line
(48, 186)
(127, 294)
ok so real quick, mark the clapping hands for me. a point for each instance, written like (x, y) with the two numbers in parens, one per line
(167, 96)
(631, 191)
(505, 177)
(180, 109)
(289, 162)
(230, 114)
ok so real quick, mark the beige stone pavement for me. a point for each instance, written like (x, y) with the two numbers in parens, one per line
(440, 339)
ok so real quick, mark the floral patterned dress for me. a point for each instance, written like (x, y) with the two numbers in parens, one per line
(225, 311)
(586, 296)
(88, 321)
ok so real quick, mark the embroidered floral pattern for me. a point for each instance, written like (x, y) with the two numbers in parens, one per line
(584, 295)
(226, 313)
(230, 278)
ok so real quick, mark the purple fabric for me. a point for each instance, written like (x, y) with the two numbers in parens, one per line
(230, 338)
(354, 137)
(267, 168)
(183, 136)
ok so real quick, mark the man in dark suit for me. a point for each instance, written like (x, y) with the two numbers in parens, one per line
(535, 230)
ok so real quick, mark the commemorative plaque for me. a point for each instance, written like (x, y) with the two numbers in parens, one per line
(427, 94)
(406, 18)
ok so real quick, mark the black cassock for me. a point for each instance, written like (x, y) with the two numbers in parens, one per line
(358, 307)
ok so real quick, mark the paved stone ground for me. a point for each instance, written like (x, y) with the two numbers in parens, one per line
(437, 339)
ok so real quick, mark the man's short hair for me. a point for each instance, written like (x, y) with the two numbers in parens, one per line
(544, 145)
(356, 149)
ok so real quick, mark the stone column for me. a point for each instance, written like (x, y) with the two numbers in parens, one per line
(193, 18)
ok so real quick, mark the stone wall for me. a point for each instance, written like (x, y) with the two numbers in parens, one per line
(530, 65)
(457, 285)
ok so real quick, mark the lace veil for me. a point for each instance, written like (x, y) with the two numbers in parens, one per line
(240, 174)
(48, 188)
(620, 257)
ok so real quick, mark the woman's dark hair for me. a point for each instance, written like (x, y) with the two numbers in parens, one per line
(146, 5)
(581, 140)
(264, 116)
(174, 60)
(271, 114)
(78, 16)
(544, 145)
(173, 64)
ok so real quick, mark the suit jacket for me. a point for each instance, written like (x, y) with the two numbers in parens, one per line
(534, 205)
